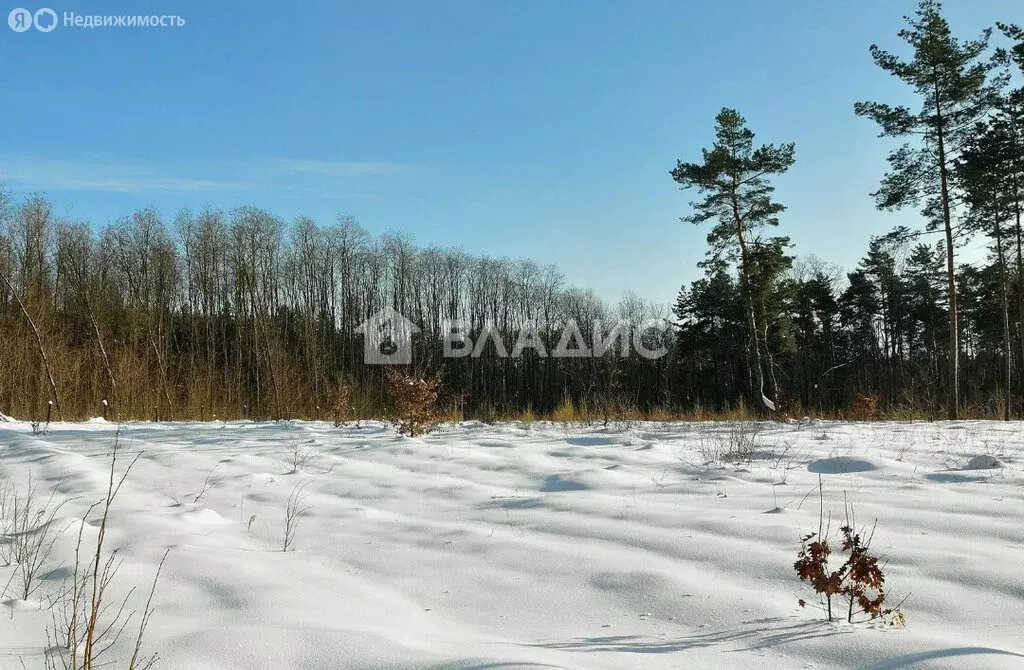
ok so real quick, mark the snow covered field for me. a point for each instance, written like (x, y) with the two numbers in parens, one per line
(536, 545)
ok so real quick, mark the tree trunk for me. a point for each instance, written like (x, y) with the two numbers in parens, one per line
(100, 344)
(1006, 322)
(953, 408)
(1020, 275)
(751, 312)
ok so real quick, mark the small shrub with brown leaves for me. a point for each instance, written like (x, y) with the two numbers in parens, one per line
(341, 405)
(859, 581)
(415, 399)
(865, 407)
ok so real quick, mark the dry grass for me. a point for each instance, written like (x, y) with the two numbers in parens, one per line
(295, 509)
(527, 416)
(567, 412)
(733, 442)
(140, 402)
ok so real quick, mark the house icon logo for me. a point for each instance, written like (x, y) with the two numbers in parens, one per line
(387, 338)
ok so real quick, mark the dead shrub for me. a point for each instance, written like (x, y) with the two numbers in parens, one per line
(736, 442)
(865, 407)
(341, 405)
(294, 511)
(859, 580)
(415, 399)
(87, 619)
(29, 529)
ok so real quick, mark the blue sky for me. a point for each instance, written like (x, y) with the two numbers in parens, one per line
(526, 128)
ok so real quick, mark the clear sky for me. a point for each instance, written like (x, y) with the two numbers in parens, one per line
(521, 128)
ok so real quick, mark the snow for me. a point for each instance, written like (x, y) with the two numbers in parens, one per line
(983, 462)
(536, 545)
(839, 465)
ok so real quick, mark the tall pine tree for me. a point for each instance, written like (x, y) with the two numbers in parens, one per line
(733, 178)
(951, 78)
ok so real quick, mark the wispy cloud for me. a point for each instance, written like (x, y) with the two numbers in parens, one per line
(46, 174)
(32, 172)
(338, 169)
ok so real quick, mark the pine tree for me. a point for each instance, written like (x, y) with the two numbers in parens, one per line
(951, 77)
(1010, 118)
(984, 170)
(1015, 54)
(926, 300)
(709, 338)
(733, 178)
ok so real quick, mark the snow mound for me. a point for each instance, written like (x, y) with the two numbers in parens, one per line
(983, 462)
(558, 484)
(264, 478)
(20, 605)
(204, 517)
(840, 465)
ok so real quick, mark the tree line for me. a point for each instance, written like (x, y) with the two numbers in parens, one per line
(910, 324)
(240, 313)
